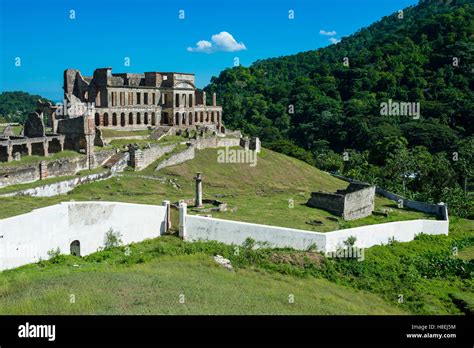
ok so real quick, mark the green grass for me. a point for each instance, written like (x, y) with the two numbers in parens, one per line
(425, 272)
(16, 129)
(152, 281)
(110, 133)
(257, 194)
(467, 253)
(25, 160)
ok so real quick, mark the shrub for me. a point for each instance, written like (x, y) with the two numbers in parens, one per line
(112, 239)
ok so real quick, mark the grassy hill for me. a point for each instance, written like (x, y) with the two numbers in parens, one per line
(431, 279)
(259, 194)
(319, 104)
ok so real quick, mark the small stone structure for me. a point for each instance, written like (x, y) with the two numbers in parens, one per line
(252, 144)
(35, 141)
(354, 202)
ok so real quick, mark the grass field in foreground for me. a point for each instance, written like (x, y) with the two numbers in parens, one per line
(157, 287)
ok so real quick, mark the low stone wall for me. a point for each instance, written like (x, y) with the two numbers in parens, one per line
(177, 158)
(59, 188)
(19, 174)
(228, 142)
(67, 166)
(331, 202)
(27, 238)
(213, 142)
(142, 158)
(153, 153)
(102, 156)
(22, 174)
(429, 208)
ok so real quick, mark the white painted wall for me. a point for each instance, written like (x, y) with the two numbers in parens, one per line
(402, 231)
(27, 238)
(235, 232)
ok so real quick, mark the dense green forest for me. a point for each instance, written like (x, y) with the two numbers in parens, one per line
(15, 106)
(325, 106)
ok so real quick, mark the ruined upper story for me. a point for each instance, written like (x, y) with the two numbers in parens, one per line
(105, 89)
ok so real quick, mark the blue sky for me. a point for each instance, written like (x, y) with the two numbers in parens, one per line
(154, 38)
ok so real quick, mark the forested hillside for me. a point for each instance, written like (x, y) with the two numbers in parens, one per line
(324, 106)
(15, 106)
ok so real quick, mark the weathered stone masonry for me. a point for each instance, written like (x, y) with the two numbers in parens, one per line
(136, 101)
(354, 202)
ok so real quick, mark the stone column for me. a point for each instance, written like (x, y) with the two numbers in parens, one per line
(46, 148)
(198, 178)
(183, 209)
(167, 222)
(61, 142)
(214, 99)
(10, 153)
(28, 149)
(204, 98)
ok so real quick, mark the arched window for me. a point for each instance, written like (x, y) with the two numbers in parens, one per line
(195, 117)
(176, 121)
(139, 118)
(97, 119)
(106, 119)
(176, 97)
(75, 248)
(114, 119)
(145, 118)
(190, 100)
(122, 119)
(212, 116)
(190, 118)
(153, 119)
(202, 116)
(130, 119)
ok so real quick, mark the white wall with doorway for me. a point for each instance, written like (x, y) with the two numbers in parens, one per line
(27, 238)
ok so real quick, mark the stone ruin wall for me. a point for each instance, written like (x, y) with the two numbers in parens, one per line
(359, 203)
(22, 174)
(142, 158)
(354, 202)
(331, 202)
(178, 158)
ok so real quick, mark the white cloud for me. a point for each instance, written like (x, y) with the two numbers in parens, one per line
(327, 33)
(334, 40)
(219, 42)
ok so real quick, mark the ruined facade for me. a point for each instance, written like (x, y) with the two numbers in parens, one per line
(34, 141)
(137, 101)
(354, 202)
